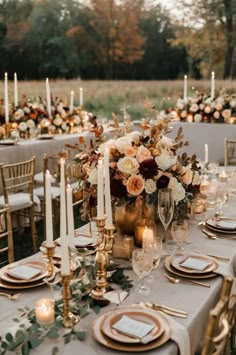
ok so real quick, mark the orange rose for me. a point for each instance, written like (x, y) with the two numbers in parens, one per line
(135, 185)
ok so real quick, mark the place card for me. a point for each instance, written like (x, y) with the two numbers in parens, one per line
(195, 264)
(24, 272)
(227, 224)
(133, 327)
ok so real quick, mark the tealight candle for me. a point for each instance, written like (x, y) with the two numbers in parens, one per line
(140, 228)
(44, 311)
(148, 238)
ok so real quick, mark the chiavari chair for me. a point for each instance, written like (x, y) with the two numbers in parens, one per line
(6, 238)
(230, 151)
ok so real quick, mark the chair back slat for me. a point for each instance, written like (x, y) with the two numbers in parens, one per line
(230, 151)
(6, 239)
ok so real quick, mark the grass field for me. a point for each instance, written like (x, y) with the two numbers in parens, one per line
(104, 97)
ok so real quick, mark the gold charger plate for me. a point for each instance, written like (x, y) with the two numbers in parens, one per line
(211, 224)
(176, 263)
(11, 279)
(171, 269)
(13, 286)
(140, 315)
(112, 344)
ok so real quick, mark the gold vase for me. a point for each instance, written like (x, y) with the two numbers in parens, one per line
(126, 216)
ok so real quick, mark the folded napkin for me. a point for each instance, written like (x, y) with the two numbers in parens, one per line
(116, 296)
(224, 269)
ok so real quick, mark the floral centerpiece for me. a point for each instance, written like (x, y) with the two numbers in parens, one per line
(141, 162)
(31, 115)
(204, 109)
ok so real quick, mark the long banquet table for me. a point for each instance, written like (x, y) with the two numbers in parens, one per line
(196, 300)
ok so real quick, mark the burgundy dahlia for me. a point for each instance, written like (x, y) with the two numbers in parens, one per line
(148, 168)
(163, 182)
(118, 189)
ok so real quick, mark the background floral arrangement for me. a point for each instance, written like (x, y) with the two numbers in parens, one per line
(203, 109)
(141, 162)
(32, 114)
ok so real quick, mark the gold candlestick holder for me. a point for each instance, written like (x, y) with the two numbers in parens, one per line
(7, 127)
(109, 236)
(50, 251)
(69, 319)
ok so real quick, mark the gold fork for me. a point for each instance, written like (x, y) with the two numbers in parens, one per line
(12, 297)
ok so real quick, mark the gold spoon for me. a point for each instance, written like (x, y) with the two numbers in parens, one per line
(12, 297)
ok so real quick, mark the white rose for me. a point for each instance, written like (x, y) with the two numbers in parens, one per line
(226, 113)
(196, 179)
(150, 186)
(194, 108)
(93, 176)
(18, 114)
(183, 114)
(178, 192)
(128, 165)
(26, 110)
(77, 119)
(216, 115)
(143, 154)
(135, 136)
(207, 109)
(110, 143)
(218, 106)
(122, 143)
(30, 123)
(165, 142)
(197, 117)
(233, 103)
(22, 126)
(57, 121)
(165, 160)
(201, 106)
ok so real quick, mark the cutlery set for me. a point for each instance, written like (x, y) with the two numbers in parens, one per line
(168, 310)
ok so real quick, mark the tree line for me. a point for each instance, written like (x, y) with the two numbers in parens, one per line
(111, 39)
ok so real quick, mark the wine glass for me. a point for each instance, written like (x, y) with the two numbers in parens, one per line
(165, 208)
(179, 231)
(142, 262)
(155, 247)
(221, 198)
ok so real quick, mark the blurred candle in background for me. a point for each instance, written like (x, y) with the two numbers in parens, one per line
(15, 90)
(63, 219)
(48, 95)
(71, 101)
(185, 87)
(81, 99)
(6, 103)
(206, 154)
(212, 85)
(70, 216)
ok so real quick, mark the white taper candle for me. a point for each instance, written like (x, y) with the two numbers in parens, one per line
(6, 103)
(109, 221)
(48, 209)
(70, 216)
(48, 95)
(100, 190)
(15, 90)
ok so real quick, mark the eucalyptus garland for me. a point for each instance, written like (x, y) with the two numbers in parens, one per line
(30, 334)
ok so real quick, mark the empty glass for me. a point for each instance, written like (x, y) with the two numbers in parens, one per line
(142, 262)
(179, 232)
(165, 208)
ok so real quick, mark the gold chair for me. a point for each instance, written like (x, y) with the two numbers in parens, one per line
(230, 151)
(18, 197)
(221, 321)
(6, 239)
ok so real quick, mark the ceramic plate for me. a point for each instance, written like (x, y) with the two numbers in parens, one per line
(127, 348)
(37, 264)
(176, 262)
(13, 286)
(213, 225)
(8, 142)
(174, 271)
(139, 315)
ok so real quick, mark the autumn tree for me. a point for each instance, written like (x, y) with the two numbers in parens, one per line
(113, 35)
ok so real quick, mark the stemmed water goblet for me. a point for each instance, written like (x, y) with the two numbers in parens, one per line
(142, 262)
(165, 208)
(155, 247)
(179, 231)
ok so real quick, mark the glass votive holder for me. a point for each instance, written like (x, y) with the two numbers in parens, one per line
(139, 230)
(198, 208)
(45, 311)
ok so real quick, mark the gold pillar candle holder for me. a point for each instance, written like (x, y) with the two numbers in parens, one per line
(69, 319)
(50, 251)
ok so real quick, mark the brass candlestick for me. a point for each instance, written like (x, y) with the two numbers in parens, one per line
(50, 251)
(69, 319)
(109, 236)
(7, 127)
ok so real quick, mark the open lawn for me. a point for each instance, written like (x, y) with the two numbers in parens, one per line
(104, 97)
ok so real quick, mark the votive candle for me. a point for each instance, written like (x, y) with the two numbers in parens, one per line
(45, 311)
(148, 238)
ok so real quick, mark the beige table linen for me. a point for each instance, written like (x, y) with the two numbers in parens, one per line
(196, 300)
